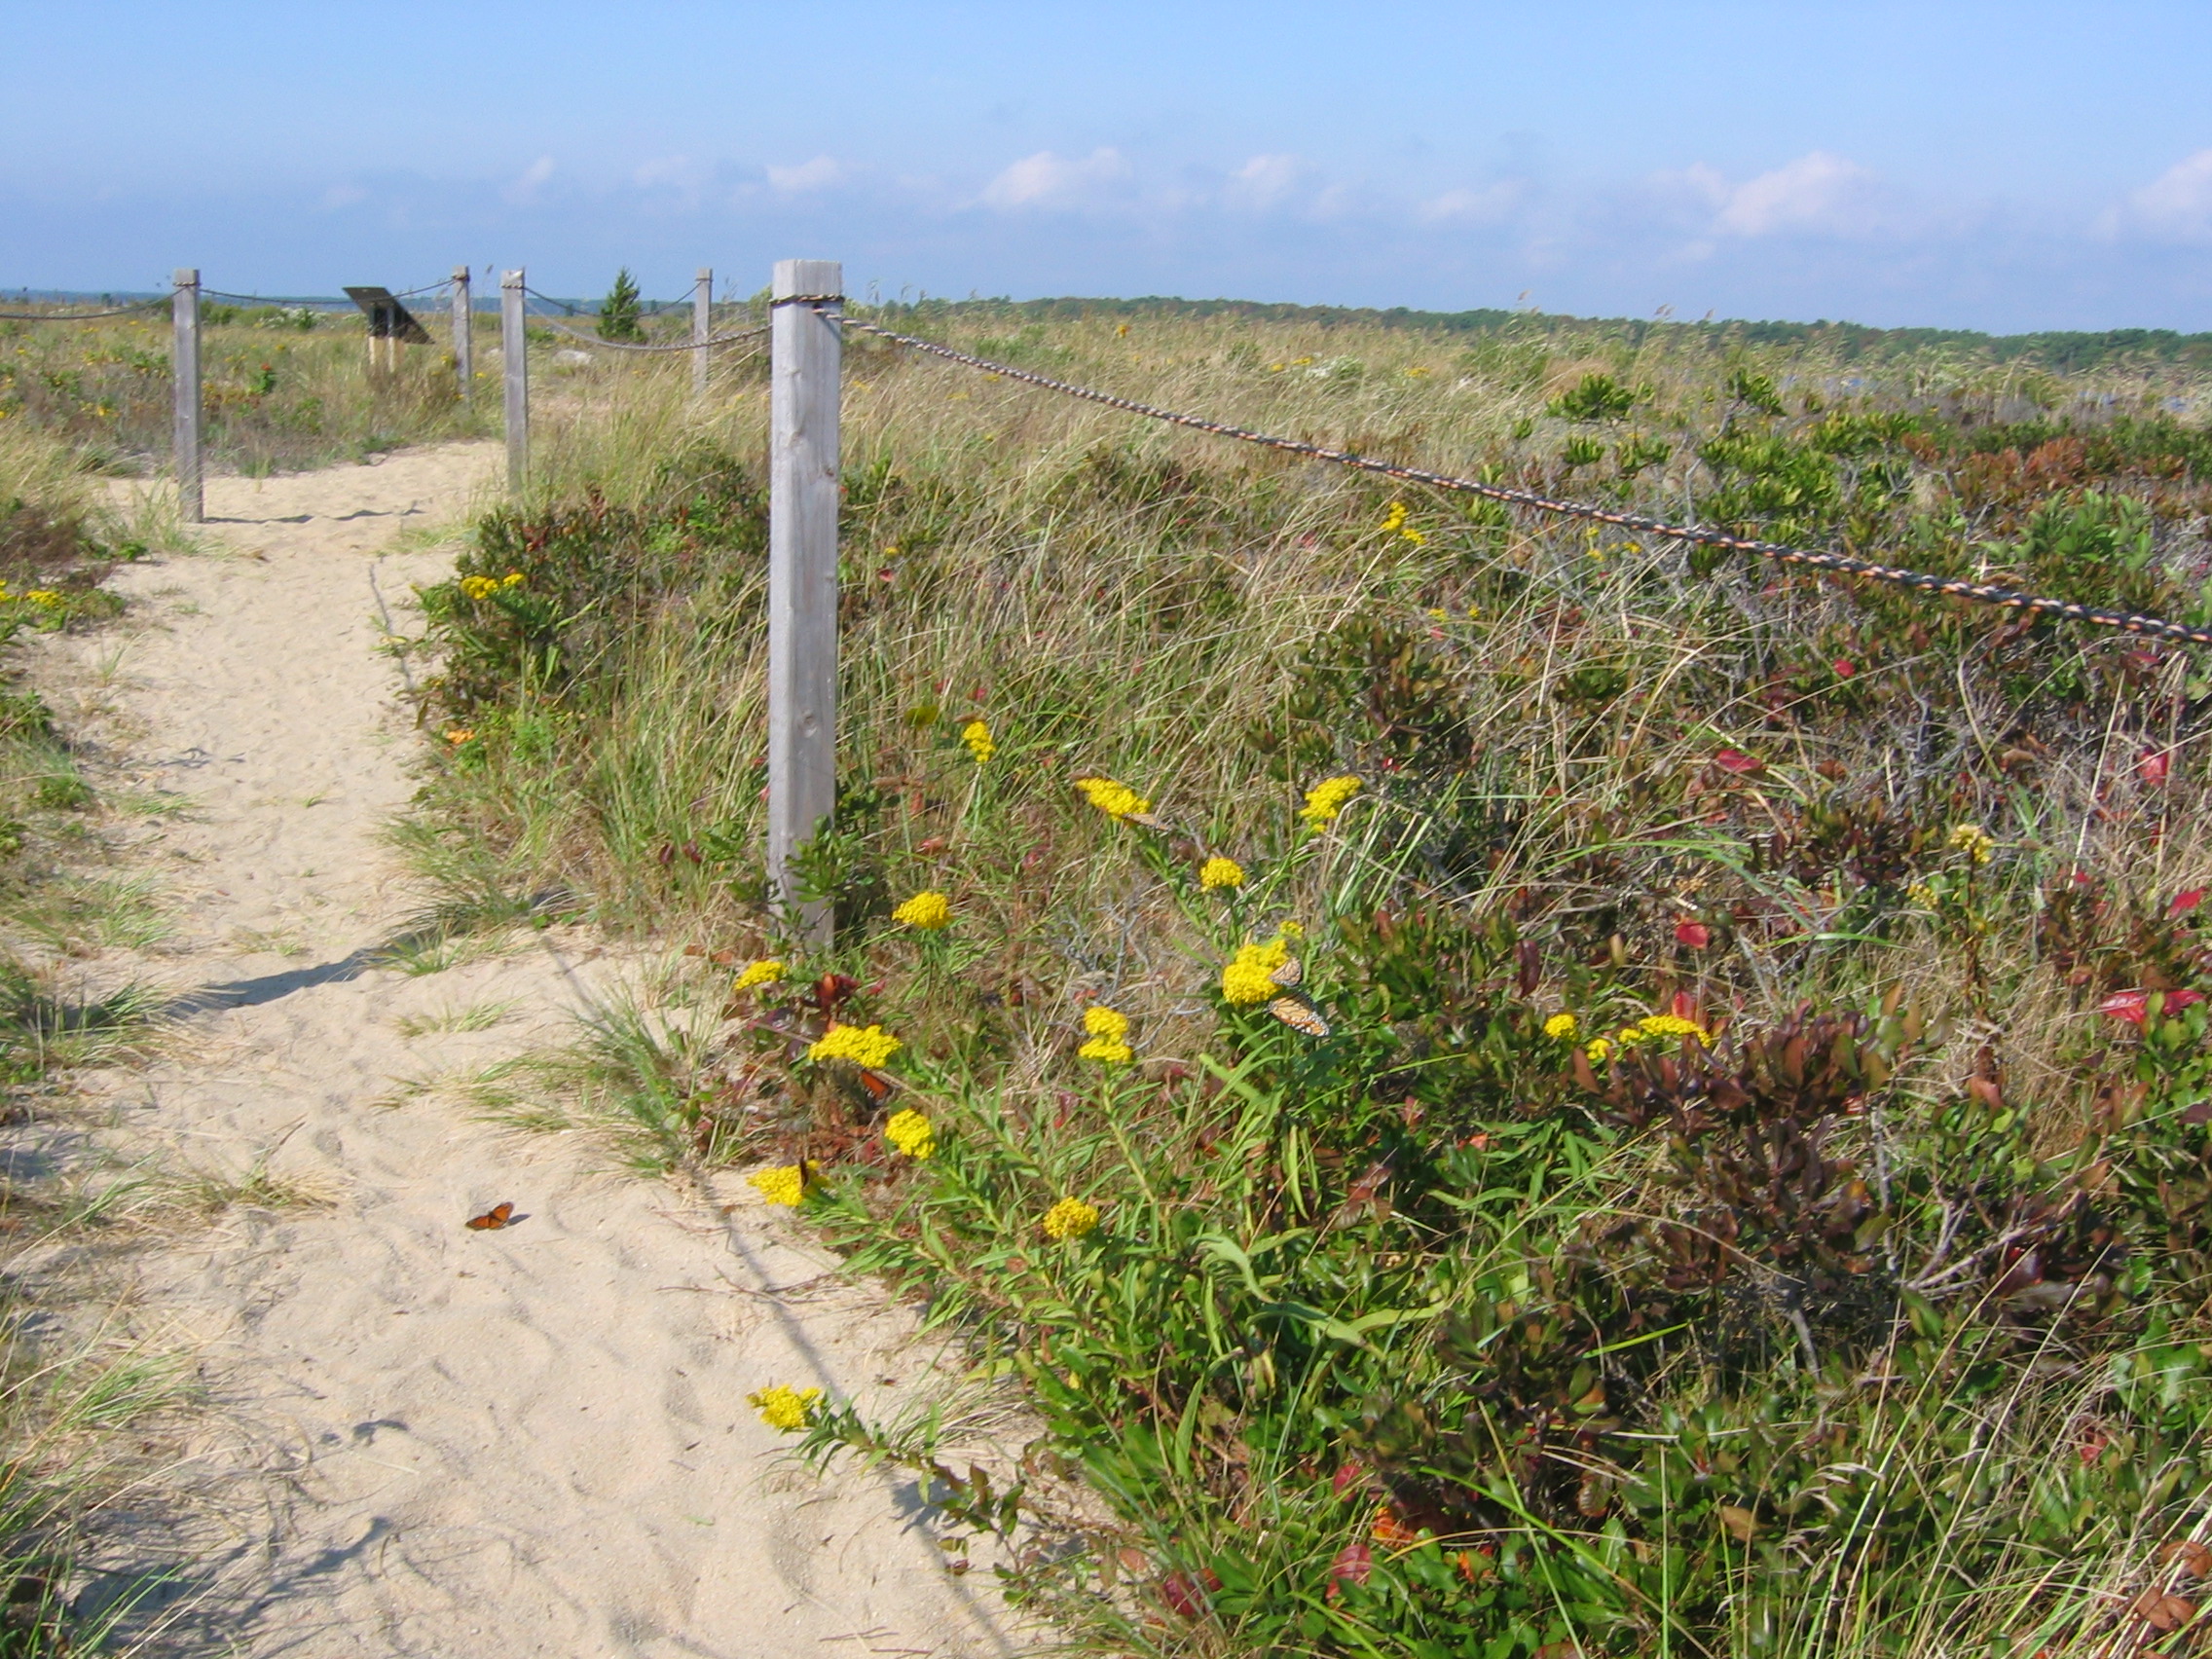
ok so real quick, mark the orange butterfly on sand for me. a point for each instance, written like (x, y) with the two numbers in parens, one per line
(492, 1218)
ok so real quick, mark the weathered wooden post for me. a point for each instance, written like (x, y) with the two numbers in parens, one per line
(184, 373)
(702, 327)
(463, 338)
(514, 364)
(802, 578)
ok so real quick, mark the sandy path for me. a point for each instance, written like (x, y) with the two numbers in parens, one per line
(427, 1440)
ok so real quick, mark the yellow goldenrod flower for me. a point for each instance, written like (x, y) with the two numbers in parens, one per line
(1102, 1021)
(928, 910)
(1070, 1218)
(1115, 800)
(45, 597)
(1972, 841)
(1109, 1030)
(765, 972)
(1598, 1048)
(1291, 930)
(785, 1183)
(478, 587)
(512, 579)
(863, 1046)
(978, 737)
(1439, 615)
(911, 1134)
(787, 1409)
(1219, 871)
(1560, 1025)
(1250, 976)
(1921, 894)
(1396, 521)
(1326, 799)
(1658, 1027)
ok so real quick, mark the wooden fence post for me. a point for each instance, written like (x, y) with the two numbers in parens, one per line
(463, 337)
(514, 363)
(802, 582)
(702, 327)
(184, 373)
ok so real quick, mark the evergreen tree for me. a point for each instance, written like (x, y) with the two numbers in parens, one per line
(619, 311)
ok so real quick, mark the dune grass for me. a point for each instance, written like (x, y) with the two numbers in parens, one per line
(1731, 1174)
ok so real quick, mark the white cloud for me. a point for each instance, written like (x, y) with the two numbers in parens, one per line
(524, 187)
(2174, 206)
(818, 175)
(1266, 181)
(1820, 193)
(1050, 180)
(1485, 206)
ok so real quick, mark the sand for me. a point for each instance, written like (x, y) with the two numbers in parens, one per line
(414, 1438)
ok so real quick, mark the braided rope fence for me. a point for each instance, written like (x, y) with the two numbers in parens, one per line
(2035, 605)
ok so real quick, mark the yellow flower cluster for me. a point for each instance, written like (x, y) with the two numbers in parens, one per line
(1560, 1025)
(1250, 976)
(784, 1408)
(1396, 524)
(1651, 1028)
(1972, 841)
(1070, 1218)
(978, 737)
(46, 599)
(1109, 1031)
(1115, 800)
(459, 735)
(862, 1045)
(786, 1184)
(911, 1134)
(929, 910)
(1218, 872)
(765, 972)
(483, 587)
(1326, 799)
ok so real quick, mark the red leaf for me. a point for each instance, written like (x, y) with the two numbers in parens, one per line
(2151, 766)
(1694, 936)
(1349, 1476)
(2125, 1004)
(1844, 668)
(1737, 762)
(1184, 1599)
(1353, 1564)
(2186, 900)
(2134, 1005)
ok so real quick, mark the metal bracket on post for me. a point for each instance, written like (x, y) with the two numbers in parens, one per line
(806, 351)
(702, 327)
(514, 364)
(184, 373)
(463, 337)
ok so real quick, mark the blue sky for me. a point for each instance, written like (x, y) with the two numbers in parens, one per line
(2005, 167)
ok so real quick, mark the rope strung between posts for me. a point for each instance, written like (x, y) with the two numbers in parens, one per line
(1839, 564)
(82, 316)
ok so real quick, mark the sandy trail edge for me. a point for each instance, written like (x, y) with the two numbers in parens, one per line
(427, 1439)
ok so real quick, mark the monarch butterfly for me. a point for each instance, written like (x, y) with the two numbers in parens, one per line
(1289, 974)
(876, 1085)
(1300, 1015)
(492, 1218)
